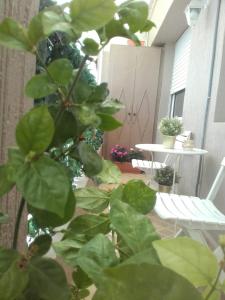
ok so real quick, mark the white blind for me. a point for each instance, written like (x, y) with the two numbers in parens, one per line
(181, 62)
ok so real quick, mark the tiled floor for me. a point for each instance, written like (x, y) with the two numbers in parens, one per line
(164, 229)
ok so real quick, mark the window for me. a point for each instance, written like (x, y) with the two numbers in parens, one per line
(177, 103)
(220, 103)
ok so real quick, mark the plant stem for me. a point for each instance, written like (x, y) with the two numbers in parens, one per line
(17, 225)
(77, 77)
(215, 283)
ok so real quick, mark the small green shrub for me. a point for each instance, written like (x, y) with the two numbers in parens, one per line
(170, 126)
(164, 176)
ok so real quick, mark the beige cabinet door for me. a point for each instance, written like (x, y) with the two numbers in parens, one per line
(133, 79)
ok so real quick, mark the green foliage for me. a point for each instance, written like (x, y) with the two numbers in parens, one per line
(164, 176)
(136, 230)
(35, 131)
(5, 184)
(150, 282)
(91, 161)
(91, 14)
(170, 126)
(13, 35)
(92, 199)
(139, 196)
(117, 249)
(188, 258)
(109, 174)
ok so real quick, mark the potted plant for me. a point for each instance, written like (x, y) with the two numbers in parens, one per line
(122, 157)
(170, 128)
(164, 178)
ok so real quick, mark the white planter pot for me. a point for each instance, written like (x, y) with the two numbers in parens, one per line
(169, 141)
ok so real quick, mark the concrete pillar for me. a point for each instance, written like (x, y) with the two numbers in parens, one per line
(15, 69)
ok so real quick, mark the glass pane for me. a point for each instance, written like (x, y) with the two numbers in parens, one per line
(178, 104)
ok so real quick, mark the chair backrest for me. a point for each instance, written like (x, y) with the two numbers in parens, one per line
(217, 182)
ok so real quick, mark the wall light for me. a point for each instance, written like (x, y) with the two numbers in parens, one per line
(193, 11)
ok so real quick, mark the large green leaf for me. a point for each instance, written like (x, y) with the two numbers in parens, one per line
(7, 257)
(15, 163)
(99, 93)
(45, 23)
(88, 225)
(13, 35)
(95, 256)
(87, 116)
(35, 29)
(148, 256)
(138, 195)
(147, 26)
(91, 14)
(110, 173)
(188, 258)
(56, 21)
(92, 199)
(41, 245)
(47, 280)
(82, 91)
(35, 130)
(13, 282)
(145, 282)
(90, 47)
(47, 219)
(13, 275)
(81, 279)
(68, 250)
(135, 229)
(61, 71)
(135, 14)
(92, 162)
(108, 123)
(216, 294)
(65, 128)
(5, 183)
(111, 106)
(116, 28)
(45, 185)
(40, 86)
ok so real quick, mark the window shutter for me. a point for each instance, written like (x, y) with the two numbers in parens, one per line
(181, 62)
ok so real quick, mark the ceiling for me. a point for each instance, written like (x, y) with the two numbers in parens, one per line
(173, 25)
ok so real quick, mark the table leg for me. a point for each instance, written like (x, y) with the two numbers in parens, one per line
(175, 169)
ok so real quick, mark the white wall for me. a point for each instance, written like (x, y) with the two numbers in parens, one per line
(196, 99)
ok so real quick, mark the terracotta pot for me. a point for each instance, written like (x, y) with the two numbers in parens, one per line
(169, 141)
(164, 188)
(126, 167)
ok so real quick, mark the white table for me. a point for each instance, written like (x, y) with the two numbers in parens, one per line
(177, 152)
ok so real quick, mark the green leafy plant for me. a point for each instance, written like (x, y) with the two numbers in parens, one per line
(164, 176)
(115, 249)
(170, 126)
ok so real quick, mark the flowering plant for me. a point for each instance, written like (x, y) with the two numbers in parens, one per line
(122, 154)
(170, 126)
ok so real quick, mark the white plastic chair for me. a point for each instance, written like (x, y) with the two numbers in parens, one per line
(194, 215)
(146, 165)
